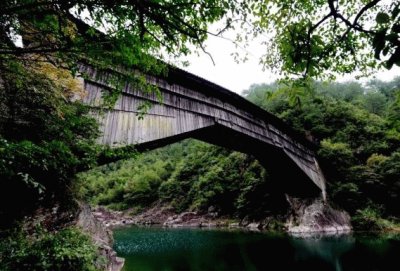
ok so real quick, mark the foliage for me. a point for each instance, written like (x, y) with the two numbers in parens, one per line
(309, 38)
(370, 219)
(304, 38)
(66, 250)
(44, 141)
(120, 183)
(106, 34)
(358, 144)
(188, 176)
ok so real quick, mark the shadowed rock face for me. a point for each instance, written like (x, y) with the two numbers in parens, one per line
(309, 216)
(102, 237)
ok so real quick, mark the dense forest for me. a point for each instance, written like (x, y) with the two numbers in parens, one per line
(356, 126)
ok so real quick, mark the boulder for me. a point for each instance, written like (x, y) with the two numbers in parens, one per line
(316, 216)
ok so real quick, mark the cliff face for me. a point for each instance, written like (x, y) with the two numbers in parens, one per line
(316, 216)
(102, 237)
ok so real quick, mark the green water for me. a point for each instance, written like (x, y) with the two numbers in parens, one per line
(194, 249)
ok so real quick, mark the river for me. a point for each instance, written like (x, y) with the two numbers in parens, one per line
(148, 249)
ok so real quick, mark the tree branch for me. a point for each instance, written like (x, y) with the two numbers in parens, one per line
(353, 25)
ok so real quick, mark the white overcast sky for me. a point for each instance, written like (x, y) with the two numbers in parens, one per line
(238, 77)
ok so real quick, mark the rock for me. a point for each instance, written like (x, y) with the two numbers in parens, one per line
(171, 221)
(209, 225)
(212, 212)
(189, 219)
(234, 225)
(250, 224)
(222, 223)
(157, 214)
(187, 216)
(102, 237)
(244, 222)
(316, 216)
(254, 226)
(273, 223)
(89, 224)
(119, 263)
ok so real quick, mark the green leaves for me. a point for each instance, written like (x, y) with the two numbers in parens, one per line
(378, 42)
(355, 127)
(44, 141)
(109, 34)
(382, 18)
(68, 249)
(321, 39)
(386, 39)
(189, 175)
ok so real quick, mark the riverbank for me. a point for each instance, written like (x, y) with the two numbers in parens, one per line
(305, 216)
(165, 216)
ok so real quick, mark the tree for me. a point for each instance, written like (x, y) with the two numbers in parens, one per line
(312, 37)
(374, 102)
(130, 33)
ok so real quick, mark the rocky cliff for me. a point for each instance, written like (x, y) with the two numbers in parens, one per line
(102, 237)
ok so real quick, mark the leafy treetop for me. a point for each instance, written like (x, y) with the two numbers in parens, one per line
(108, 33)
(310, 38)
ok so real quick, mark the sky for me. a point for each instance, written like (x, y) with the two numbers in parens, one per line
(238, 77)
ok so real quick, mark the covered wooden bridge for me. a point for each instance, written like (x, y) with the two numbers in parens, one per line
(194, 107)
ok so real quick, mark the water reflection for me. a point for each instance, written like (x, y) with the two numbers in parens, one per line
(327, 248)
(189, 249)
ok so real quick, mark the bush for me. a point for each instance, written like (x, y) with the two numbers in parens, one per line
(66, 250)
(369, 219)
